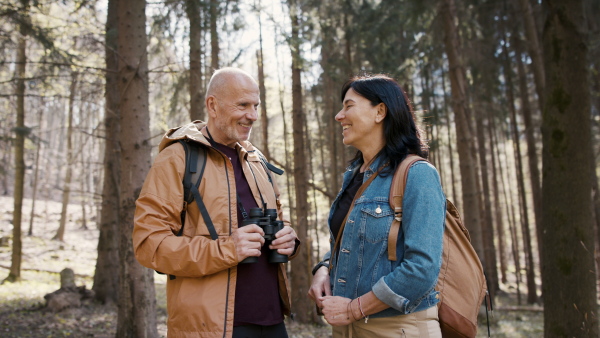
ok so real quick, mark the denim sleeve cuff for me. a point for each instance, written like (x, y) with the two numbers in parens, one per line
(383, 292)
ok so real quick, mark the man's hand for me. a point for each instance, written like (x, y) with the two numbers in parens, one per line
(248, 241)
(320, 287)
(285, 241)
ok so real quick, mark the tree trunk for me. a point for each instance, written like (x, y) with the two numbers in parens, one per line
(530, 268)
(300, 265)
(35, 176)
(534, 171)
(192, 9)
(20, 132)
(106, 276)
(264, 118)
(535, 51)
(566, 197)
(487, 230)
(60, 233)
(214, 35)
(137, 302)
(458, 83)
(500, 230)
(449, 141)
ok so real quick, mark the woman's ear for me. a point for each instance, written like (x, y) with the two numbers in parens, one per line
(381, 112)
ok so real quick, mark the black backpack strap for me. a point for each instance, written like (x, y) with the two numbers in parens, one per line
(195, 164)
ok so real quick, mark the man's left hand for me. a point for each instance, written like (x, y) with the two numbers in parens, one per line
(285, 241)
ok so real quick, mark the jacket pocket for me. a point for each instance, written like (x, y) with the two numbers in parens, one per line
(376, 218)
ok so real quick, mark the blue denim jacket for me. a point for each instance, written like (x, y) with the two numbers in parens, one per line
(408, 284)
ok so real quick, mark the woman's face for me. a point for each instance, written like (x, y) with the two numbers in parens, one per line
(361, 121)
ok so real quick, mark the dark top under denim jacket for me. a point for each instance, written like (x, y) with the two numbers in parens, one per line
(408, 284)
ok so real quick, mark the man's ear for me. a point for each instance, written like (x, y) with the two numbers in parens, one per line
(381, 112)
(211, 106)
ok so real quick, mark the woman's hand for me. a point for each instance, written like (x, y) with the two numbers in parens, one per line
(337, 310)
(320, 286)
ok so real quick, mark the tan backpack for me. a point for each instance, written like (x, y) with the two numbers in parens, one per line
(461, 281)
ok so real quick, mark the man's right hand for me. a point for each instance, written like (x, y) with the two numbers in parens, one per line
(248, 241)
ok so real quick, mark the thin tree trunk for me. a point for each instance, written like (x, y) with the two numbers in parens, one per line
(264, 118)
(467, 158)
(300, 266)
(106, 276)
(500, 231)
(137, 302)
(36, 171)
(535, 50)
(534, 171)
(450, 150)
(214, 35)
(566, 197)
(529, 266)
(60, 233)
(488, 229)
(20, 132)
(192, 9)
(510, 213)
(289, 185)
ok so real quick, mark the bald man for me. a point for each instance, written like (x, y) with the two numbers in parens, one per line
(210, 291)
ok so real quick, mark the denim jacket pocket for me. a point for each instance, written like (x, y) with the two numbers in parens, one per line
(376, 218)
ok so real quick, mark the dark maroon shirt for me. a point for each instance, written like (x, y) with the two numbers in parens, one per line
(257, 299)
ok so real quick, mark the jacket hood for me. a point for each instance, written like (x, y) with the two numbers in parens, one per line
(190, 131)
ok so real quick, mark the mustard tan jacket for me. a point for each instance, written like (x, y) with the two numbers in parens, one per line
(200, 299)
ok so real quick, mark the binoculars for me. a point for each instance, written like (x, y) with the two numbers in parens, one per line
(267, 220)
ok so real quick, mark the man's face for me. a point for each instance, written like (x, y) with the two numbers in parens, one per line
(233, 110)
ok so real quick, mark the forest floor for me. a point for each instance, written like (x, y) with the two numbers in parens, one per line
(22, 304)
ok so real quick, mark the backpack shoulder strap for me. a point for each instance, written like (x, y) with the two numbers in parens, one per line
(195, 162)
(395, 200)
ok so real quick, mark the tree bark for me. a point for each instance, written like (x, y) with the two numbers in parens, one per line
(137, 302)
(566, 197)
(106, 276)
(467, 160)
(192, 9)
(300, 265)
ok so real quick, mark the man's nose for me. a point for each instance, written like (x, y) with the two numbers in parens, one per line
(253, 114)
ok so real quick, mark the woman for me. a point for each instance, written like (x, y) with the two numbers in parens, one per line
(395, 298)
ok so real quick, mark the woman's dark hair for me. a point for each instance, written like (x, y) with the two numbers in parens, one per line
(401, 134)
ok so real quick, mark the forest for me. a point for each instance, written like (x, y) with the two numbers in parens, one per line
(507, 93)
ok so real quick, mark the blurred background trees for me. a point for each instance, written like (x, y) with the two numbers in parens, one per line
(483, 76)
